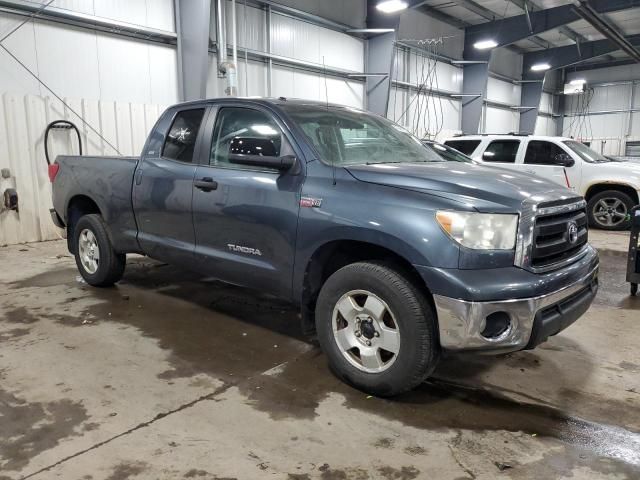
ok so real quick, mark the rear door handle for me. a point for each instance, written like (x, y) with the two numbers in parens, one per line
(139, 176)
(206, 184)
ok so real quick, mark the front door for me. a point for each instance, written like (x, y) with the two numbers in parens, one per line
(245, 218)
(163, 191)
(541, 158)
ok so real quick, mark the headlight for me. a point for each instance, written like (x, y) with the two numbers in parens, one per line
(484, 231)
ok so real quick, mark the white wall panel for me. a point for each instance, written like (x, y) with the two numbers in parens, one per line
(77, 62)
(163, 75)
(546, 103)
(22, 44)
(504, 92)
(251, 26)
(545, 126)
(433, 117)
(304, 41)
(499, 120)
(67, 60)
(23, 119)
(507, 63)
(447, 77)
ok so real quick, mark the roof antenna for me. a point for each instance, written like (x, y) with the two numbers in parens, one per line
(326, 97)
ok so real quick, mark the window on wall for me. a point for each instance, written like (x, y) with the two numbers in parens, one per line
(181, 139)
(501, 151)
(542, 153)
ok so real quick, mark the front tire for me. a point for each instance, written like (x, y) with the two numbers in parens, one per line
(377, 329)
(97, 261)
(610, 210)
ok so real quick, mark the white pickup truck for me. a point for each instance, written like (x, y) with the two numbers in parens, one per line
(610, 187)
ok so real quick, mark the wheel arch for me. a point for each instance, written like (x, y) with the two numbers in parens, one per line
(78, 206)
(597, 188)
(335, 254)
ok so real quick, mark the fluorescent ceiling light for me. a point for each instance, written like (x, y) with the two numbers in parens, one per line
(391, 6)
(485, 44)
(539, 67)
(578, 81)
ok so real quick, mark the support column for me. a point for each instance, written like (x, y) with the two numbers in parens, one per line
(380, 57)
(474, 87)
(192, 26)
(559, 108)
(530, 95)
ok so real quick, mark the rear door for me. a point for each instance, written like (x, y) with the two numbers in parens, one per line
(245, 217)
(163, 187)
(540, 158)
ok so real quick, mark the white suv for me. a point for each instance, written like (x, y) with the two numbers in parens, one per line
(611, 188)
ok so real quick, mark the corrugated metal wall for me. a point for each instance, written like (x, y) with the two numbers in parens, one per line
(612, 119)
(23, 119)
(296, 39)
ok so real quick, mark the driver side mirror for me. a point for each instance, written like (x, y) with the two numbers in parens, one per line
(258, 152)
(564, 159)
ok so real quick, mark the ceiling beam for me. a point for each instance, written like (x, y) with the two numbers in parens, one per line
(607, 29)
(561, 57)
(512, 29)
(531, 6)
(491, 15)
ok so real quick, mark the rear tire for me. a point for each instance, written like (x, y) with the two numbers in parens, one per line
(610, 210)
(97, 261)
(388, 312)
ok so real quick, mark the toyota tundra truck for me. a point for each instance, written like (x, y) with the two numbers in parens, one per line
(395, 254)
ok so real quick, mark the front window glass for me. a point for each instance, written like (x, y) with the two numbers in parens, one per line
(351, 137)
(585, 153)
(244, 123)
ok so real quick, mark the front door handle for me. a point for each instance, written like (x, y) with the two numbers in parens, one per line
(206, 184)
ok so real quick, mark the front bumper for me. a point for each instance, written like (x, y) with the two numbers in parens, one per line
(531, 319)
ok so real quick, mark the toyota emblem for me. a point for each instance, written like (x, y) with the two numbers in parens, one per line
(572, 233)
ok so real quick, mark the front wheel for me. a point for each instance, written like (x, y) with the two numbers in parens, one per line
(98, 263)
(376, 328)
(610, 210)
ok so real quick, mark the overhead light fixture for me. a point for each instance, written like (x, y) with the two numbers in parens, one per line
(391, 6)
(540, 67)
(578, 81)
(485, 44)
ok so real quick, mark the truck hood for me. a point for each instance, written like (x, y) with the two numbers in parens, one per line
(486, 189)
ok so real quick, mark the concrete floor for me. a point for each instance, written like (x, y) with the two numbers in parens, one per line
(173, 376)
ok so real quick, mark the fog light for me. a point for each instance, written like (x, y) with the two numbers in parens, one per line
(496, 324)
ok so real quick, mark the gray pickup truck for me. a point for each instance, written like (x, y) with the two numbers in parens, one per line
(394, 252)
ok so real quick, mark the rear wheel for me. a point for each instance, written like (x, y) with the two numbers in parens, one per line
(610, 210)
(98, 263)
(377, 329)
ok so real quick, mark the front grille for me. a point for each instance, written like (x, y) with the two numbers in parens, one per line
(551, 234)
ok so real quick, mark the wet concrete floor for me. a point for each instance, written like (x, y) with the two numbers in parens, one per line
(171, 375)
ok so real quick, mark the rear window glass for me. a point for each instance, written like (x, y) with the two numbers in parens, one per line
(501, 151)
(181, 139)
(464, 146)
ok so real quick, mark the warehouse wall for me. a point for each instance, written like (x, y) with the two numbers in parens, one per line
(610, 120)
(296, 39)
(119, 85)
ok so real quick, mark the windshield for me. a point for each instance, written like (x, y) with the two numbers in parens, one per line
(352, 137)
(448, 153)
(585, 153)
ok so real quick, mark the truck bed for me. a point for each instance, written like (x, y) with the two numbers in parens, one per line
(108, 182)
